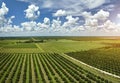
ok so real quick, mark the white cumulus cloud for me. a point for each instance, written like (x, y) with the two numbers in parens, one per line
(70, 22)
(32, 12)
(3, 10)
(101, 15)
(29, 26)
(6, 23)
(92, 22)
(110, 26)
(60, 13)
(34, 26)
(46, 21)
(56, 25)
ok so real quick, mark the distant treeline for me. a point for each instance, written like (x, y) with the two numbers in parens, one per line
(32, 41)
(76, 38)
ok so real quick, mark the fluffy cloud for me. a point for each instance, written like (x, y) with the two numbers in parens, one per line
(56, 25)
(60, 13)
(4, 10)
(71, 22)
(29, 26)
(91, 24)
(78, 29)
(110, 26)
(34, 26)
(42, 26)
(17, 28)
(71, 25)
(101, 15)
(46, 21)
(32, 12)
(73, 7)
(86, 15)
(6, 23)
(92, 21)
(10, 28)
(45, 25)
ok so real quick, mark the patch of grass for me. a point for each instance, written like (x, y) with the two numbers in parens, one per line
(70, 45)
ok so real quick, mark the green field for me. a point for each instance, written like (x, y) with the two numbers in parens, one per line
(48, 59)
(105, 59)
(50, 45)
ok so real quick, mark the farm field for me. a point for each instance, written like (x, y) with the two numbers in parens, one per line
(46, 60)
(49, 45)
(107, 59)
(41, 67)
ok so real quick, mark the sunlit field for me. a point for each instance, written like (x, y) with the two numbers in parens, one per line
(60, 60)
(59, 41)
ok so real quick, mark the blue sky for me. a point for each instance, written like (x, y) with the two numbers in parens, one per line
(64, 17)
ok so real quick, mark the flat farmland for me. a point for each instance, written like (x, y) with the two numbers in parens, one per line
(48, 60)
(43, 68)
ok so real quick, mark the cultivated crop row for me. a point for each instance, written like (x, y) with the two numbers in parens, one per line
(107, 59)
(43, 68)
